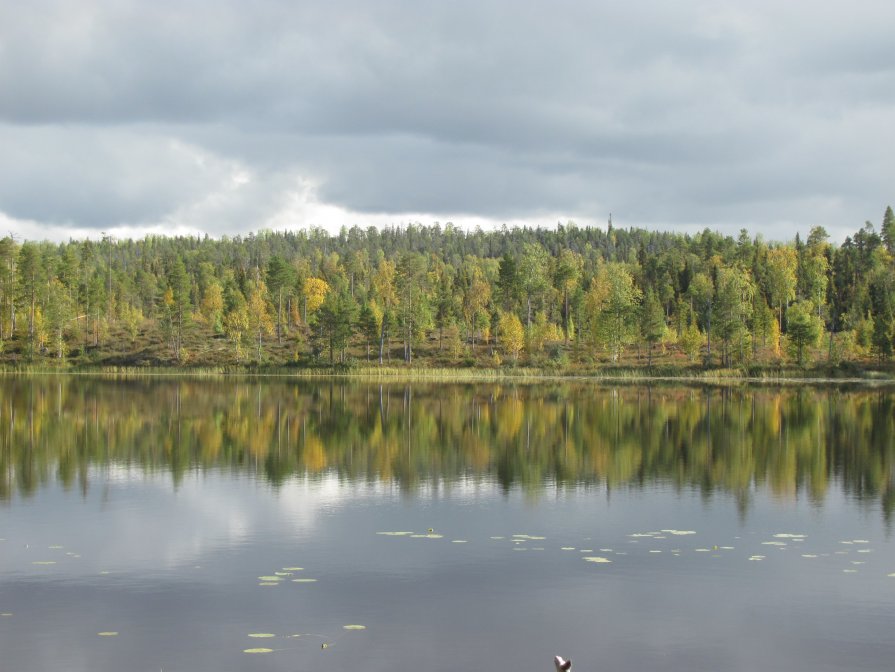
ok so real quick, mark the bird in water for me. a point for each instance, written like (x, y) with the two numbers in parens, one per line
(562, 665)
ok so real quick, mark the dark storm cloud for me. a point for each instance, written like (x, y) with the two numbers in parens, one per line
(211, 114)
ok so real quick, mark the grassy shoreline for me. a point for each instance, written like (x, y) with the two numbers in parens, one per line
(634, 375)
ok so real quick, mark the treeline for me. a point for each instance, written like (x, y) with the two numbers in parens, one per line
(560, 298)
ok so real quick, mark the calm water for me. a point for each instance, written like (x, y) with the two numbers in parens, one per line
(745, 529)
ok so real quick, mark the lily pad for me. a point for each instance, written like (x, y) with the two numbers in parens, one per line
(260, 635)
(597, 559)
(107, 634)
(293, 569)
(268, 583)
(44, 562)
(304, 580)
(259, 650)
(395, 534)
(354, 627)
(270, 578)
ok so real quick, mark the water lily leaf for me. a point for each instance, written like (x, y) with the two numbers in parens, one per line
(567, 548)
(597, 559)
(268, 583)
(304, 580)
(395, 534)
(259, 650)
(107, 634)
(44, 562)
(354, 627)
(293, 569)
(459, 541)
(270, 578)
(260, 635)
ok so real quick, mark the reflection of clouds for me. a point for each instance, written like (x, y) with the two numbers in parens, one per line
(148, 521)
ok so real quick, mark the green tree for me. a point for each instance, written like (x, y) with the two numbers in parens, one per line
(612, 305)
(533, 273)
(337, 319)
(804, 330)
(566, 275)
(733, 310)
(280, 280)
(888, 230)
(702, 295)
(652, 323)
(781, 279)
(58, 315)
(413, 309)
(30, 279)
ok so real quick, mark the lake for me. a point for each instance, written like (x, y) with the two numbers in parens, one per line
(247, 524)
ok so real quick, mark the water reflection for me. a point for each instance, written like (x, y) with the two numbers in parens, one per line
(788, 441)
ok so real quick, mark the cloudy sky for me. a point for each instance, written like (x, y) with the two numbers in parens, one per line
(224, 117)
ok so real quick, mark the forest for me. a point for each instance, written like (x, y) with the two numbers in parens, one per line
(564, 299)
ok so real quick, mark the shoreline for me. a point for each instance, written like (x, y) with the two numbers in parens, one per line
(457, 376)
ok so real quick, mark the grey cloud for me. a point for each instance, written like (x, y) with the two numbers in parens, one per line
(685, 113)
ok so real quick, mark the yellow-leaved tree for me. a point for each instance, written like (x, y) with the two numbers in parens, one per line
(511, 334)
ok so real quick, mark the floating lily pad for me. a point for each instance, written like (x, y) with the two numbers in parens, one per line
(567, 548)
(891, 576)
(427, 536)
(44, 562)
(268, 583)
(107, 634)
(260, 635)
(808, 555)
(304, 580)
(757, 557)
(787, 535)
(459, 541)
(293, 569)
(283, 573)
(395, 534)
(597, 559)
(6, 613)
(354, 627)
(270, 578)
(56, 546)
(679, 533)
(259, 650)
(498, 537)
(850, 571)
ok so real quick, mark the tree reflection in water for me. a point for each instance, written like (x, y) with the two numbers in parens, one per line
(730, 439)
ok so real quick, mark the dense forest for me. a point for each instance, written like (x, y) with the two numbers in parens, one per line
(568, 298)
